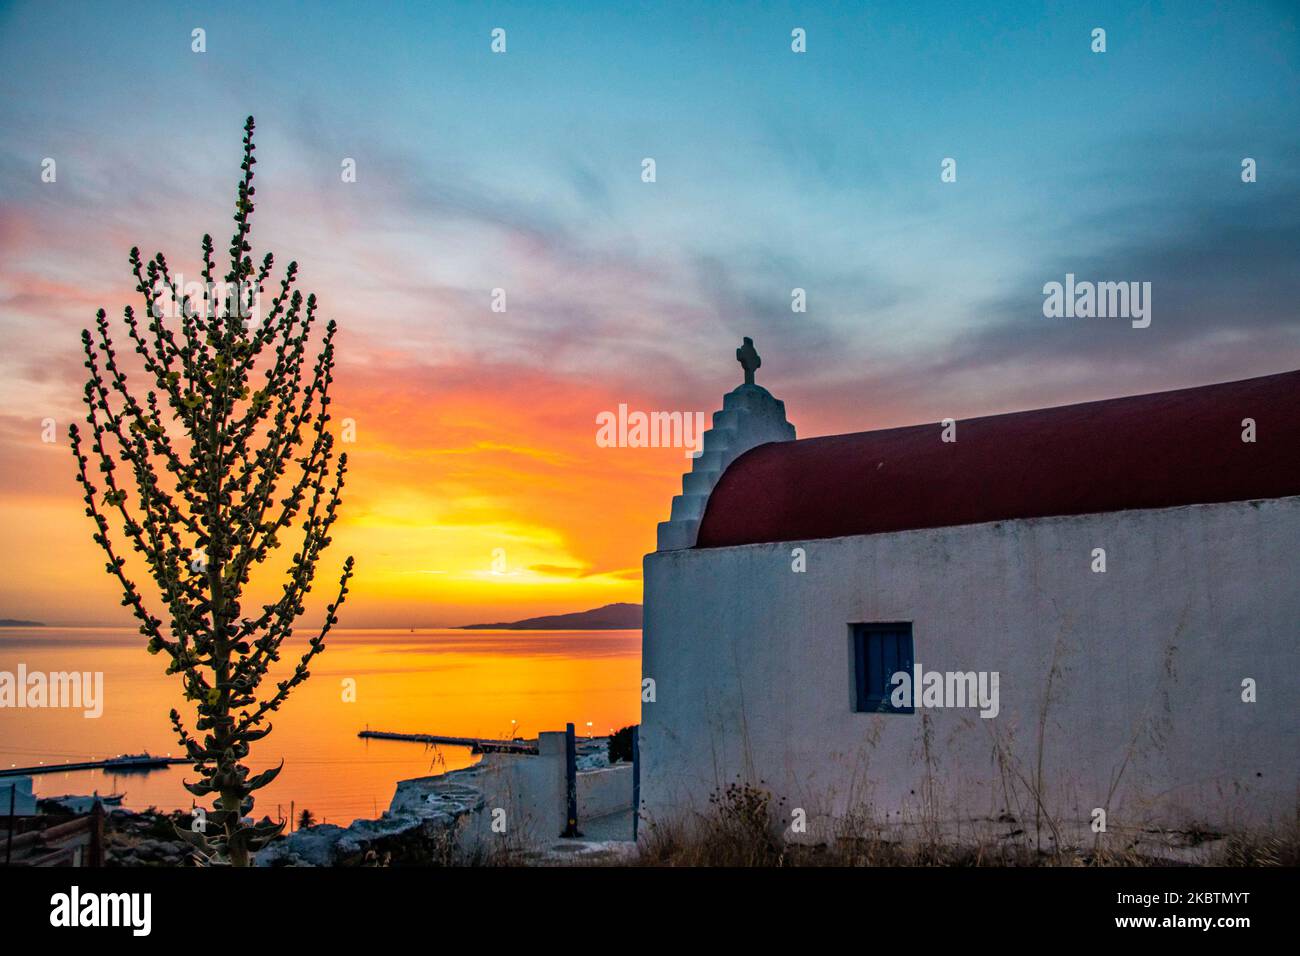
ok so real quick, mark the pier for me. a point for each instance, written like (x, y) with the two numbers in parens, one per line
(153, 763)
(478, 745)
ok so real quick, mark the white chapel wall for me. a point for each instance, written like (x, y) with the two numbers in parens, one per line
(752, 670)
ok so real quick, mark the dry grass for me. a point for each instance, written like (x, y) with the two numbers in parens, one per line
(742, 829)
(1269, 849)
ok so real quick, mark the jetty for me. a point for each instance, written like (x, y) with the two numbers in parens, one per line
(112, 763)
(478, 745)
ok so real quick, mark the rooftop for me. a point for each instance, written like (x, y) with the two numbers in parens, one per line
(1160, 450)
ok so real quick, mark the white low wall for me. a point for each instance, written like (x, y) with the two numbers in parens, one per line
(524, 792)
(604, 791)
(1120, 690)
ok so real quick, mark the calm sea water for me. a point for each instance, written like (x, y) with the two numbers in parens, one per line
(457, 683)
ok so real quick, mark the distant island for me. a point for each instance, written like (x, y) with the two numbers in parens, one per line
(15, 622)
(611, 617)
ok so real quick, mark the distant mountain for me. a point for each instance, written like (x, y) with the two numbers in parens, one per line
(14, 622)
(611, 617)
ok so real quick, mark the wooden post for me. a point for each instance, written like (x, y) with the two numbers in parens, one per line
(9, 843)
(636, 779)
(96, 854)
(571, 782)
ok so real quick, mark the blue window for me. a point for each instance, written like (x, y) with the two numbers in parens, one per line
(879, 652)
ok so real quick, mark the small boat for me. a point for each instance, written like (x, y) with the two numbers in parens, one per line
(141, 761)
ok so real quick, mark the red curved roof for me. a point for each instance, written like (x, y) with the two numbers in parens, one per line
(1148, 451)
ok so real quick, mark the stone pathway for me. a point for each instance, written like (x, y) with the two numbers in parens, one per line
(605, 840)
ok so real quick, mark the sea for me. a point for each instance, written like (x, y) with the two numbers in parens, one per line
(470, 683)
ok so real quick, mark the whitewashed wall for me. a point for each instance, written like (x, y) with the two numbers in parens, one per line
(604, 791)
(752, 669)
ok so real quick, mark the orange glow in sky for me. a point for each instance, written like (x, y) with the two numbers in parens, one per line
(470, 497)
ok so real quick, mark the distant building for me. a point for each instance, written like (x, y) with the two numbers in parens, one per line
(17, 792)
(1123, 576)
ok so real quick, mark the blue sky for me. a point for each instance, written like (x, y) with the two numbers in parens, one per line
(775, 170)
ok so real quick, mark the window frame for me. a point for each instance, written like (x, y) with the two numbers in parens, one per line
(862, 699)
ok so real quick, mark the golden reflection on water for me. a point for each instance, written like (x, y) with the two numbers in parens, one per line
(453, 682)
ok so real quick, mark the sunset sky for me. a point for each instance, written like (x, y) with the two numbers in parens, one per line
(522, 171)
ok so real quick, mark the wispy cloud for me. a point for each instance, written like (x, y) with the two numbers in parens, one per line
(522, 173)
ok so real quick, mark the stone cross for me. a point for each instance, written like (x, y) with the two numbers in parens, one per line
(749, 360)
